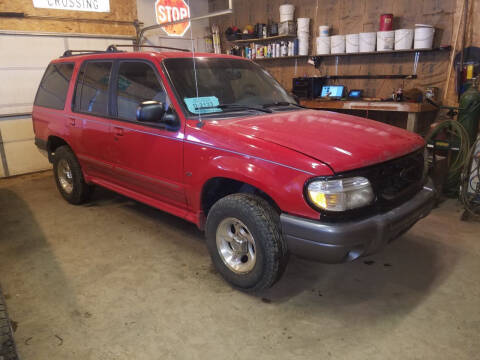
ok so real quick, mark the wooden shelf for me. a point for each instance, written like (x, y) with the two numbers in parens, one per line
(368, 105)
(445, 48)
(267, 39)
(282, 57)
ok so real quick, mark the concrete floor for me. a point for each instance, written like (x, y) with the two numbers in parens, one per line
(115, 279)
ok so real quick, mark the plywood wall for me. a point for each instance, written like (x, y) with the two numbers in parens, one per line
(353, 16)
(123, 10)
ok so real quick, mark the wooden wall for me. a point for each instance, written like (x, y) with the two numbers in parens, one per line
(353, 16)
(123, 10)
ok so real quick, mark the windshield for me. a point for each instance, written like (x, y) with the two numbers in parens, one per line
(209, 86)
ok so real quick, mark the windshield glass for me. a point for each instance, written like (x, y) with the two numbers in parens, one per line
(214, 85)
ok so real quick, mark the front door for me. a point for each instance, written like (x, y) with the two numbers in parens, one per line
(148, 158)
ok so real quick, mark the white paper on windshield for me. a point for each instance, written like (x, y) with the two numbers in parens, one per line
(202, 105)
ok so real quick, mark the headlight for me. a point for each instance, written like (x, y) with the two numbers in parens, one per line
(340, 194)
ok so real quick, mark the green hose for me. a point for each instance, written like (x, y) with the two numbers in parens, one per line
(460, 137)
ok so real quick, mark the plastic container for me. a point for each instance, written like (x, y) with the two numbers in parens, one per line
(303, 42)
(303, 25)
(286, 12)
(324, 30)
(337, 44)
(367, 41)
(403, 39)
(287, 28)
(352, 43)
(323, 45)
(423, 36)
(385, 40)
(386, 22)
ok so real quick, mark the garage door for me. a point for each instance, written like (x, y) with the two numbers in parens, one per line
(23, 61)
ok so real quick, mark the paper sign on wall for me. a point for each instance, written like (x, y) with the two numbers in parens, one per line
(78, 5)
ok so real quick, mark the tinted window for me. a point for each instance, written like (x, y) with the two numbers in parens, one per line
(54, 86)
(137, 82)
(91, 92)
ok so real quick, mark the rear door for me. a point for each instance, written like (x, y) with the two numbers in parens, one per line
(90, 118)
(148, 157)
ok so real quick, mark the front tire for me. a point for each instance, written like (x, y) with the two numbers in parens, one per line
(245, 242)
(69, 177)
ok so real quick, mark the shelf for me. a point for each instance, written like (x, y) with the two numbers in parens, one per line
(368, 105)
(282, 57)
(445, 48)
(267, 39)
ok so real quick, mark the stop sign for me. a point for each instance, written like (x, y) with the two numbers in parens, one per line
(172, 10)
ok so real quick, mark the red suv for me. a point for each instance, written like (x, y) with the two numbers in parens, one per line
(216, 140)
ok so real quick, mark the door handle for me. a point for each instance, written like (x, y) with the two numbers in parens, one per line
(72, 121)
(118, 131)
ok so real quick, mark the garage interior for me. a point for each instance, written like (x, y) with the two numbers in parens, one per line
(117, 279)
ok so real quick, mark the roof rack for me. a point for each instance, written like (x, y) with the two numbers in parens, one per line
(68, 53)
(113, 47)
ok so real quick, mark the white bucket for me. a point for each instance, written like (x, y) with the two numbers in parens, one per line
(303, 39)
(423, 36)
(286, 12)
(352, 43)
(303, 25)
(324, 30)
(403, 39)
(367, 41)
(337, 44)
(323, 45)
(303, 47)
(385, 40)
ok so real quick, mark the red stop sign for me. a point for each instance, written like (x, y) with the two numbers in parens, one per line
(173, 10)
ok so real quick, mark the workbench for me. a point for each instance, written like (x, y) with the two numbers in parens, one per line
(412, 109)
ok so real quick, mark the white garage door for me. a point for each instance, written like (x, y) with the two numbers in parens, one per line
(23, 61)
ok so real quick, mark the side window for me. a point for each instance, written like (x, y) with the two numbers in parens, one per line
(53, 88)
(91, 91)
(137, 82)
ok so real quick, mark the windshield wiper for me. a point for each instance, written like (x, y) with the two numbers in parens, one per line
(281, 103)
(236, 107)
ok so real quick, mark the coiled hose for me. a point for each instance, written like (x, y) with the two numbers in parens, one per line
(459, 160)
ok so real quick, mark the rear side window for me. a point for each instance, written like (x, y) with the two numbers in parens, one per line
(137, 82)
(54, 86)
(91, 91)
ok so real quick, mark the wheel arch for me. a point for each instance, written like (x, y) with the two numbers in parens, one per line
(218, 187)
(53, 143)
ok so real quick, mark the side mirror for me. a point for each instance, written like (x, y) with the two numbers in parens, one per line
(150, 111)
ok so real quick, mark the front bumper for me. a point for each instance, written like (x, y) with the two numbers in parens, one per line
(339, 242)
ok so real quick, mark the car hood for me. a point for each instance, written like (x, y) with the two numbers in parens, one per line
(344, 142)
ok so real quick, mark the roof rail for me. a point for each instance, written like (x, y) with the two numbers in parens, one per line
(113, 47)
(68, 53)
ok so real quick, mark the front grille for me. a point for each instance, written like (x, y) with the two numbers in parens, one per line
(394, 182)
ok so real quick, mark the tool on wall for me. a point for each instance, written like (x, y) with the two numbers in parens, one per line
(463, 21)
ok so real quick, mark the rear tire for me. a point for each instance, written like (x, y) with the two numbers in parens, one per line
(245, 242)
(69, 177)
(8, 350)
